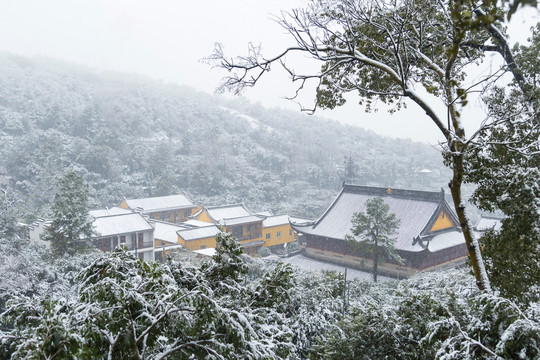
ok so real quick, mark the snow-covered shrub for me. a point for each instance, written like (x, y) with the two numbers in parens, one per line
(122, 307)
(375, 330)
(485, 327)
(432, 315)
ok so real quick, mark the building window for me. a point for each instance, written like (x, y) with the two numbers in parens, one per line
(166, 216)
(203, 247)
(140, 240)
(237, 232)
(267, 236)
(278, 234)
(290, 231)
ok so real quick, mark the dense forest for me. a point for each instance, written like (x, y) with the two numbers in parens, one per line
(134, 137)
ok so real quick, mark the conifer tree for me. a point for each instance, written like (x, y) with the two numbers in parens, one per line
(71, 226)
(375, 228)
(8, 212)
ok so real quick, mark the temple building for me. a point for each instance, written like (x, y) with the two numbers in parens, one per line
(429, 236)
(173, 208)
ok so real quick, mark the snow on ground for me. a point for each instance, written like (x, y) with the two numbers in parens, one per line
(307, 264)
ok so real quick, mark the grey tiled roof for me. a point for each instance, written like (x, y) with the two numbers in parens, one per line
(417, 211)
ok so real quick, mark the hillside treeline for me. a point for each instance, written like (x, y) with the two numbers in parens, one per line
(134, 137)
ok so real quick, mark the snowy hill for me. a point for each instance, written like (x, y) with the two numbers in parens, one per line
(135, 137)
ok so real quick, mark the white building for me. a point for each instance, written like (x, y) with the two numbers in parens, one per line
(113, 227)
(118, 226)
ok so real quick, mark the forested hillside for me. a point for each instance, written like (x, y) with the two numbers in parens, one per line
(136, 137)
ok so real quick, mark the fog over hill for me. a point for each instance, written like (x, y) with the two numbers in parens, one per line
(135, 137)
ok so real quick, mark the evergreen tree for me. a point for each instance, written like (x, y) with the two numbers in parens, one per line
(228, 265)
(8, 218)
(351, 169)
(71, 226)
(375, 227)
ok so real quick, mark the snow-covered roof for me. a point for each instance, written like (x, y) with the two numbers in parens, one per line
(195, 223)
(240, 220)
(446, 240)
(166, 231)
(198, 233)
(227, 212)
(160, 203)
(206, 252)
(416, 210)
(106, 212)
(264, 213)
(276, 220)
(488, 223)
(297, 220)
(121, 224)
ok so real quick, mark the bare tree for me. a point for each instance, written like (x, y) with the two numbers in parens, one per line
(392, 50)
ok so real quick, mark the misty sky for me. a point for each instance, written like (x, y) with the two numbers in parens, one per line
(165, 39)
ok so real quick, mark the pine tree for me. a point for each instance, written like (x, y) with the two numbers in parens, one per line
(8, 215)
(351, 169)
(375, 228)
(71, 226)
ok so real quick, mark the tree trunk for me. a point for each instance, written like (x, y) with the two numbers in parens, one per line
(482, 281)
(375, 264)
